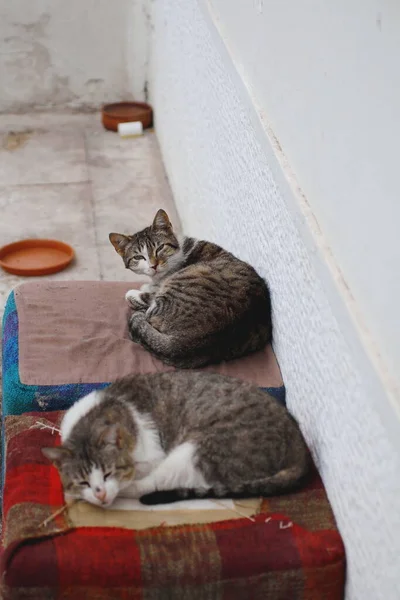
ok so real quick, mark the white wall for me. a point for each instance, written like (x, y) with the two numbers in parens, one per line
(230, 187)
(138, 30)
(63, 53)
(326, 75)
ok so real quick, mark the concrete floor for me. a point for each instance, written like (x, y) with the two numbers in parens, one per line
(63, 176)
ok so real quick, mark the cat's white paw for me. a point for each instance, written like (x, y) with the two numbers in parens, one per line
(135, 296)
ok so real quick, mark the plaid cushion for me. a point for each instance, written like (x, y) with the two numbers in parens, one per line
(291, 551)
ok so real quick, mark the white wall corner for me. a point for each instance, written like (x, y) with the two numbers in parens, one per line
(63, 55)
(233, 185)
(139, 30)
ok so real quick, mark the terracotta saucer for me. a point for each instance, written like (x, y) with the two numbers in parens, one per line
(125, 112)
(35, 257)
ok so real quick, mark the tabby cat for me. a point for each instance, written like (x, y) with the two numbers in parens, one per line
(203, 305)
(181, 431)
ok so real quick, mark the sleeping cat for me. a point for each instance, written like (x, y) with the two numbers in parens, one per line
(180, 431)
(203, 305)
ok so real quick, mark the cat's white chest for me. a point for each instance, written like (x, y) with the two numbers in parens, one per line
(148, 452)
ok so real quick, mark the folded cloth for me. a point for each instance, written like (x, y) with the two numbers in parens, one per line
(61, 340)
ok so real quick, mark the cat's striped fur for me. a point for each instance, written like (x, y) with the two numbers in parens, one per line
(187, 432)
(203, 306)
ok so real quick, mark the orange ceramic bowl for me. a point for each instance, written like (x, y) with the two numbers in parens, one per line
(35, 257)
(125, 112)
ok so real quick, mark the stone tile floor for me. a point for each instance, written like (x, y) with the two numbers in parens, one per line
(63, 176)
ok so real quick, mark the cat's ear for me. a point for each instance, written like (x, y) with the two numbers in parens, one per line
(161, 221)
(57, 455)
(119, 242)
(110, 435)
(116, 435)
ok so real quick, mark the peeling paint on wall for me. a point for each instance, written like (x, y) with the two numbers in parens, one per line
(56, 54)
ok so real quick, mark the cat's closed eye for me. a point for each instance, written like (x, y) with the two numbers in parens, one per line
(138, 257)
(107, 475)
(84, 483)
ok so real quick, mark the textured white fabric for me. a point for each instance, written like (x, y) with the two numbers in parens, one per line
(225, 192)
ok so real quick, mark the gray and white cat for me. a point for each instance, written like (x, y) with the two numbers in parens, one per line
(203, 305)
(181, 431)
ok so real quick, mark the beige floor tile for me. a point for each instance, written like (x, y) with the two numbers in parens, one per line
(123, 209)
(123, 201)
(34, 156)
(50, 121)
(105, 146)
(140, 155)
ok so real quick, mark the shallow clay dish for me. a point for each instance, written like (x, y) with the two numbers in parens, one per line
(35, 257)
(125, 112)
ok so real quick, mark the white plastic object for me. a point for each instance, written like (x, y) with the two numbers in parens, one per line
(132, 128)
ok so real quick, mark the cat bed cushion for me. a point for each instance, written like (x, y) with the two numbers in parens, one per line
(61, 340)
(290, 548)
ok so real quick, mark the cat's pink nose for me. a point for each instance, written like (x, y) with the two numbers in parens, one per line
(101, 495)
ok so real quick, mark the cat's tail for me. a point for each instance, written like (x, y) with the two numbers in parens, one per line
(285, 481)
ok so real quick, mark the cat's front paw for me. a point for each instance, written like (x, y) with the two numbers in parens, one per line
(135, 325)
(146, 288)
(133, 295)
(135, 300)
